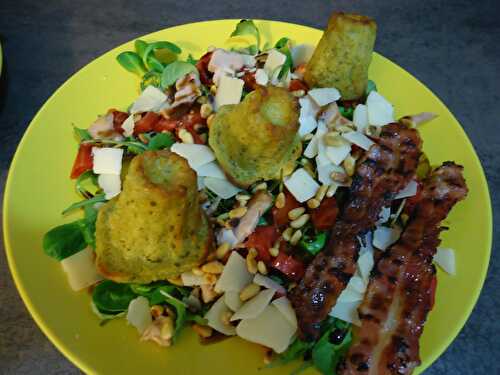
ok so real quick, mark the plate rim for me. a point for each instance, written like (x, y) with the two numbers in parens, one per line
(73, 357)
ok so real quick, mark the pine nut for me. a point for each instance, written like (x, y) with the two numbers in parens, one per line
(208, 293)
(296, 237)
(251, 290)
(349, 165)
(251, 264)
(175, 280)
(237, 213)
(280, 200)
(296, 212)
(268, 357)
(197, 271)
(226, 317)
(261, 267)
(300, 222)
(167, 328)
(205, 110)
(287, 234)
(320, 194)
(202, 331)
(274, 251)
(156, 311)
(214, 267)
(213, 89)
(339, 177)
(298, 93)
(210, 119)
(261, 186)
(243, 199)
(185, 136)
(222, 250)
(331, 190)
(209, 278)
(313, 203)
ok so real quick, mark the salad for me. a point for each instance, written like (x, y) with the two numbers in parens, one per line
(265, 192)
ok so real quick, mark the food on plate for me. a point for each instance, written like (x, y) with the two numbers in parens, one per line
(401, 291)
(265, 191)
(343, 55)
(257, 138)
(387, 167)
(155, 228)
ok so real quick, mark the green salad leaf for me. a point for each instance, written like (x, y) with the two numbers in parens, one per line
(151, 61)
(82, 182)
(151, 78)
(82, 134)
(332, 347)
(87, 225)
(132, 62)
(174, 71)
(191, 60)
(283, 45)
(86, 202)
(313, 242)
(346, 112)
(64, 240)
(140, 47)
(247, 27)
(161, 141)
(112, 298)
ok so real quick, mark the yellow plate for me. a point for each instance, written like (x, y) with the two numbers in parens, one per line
(38, 188)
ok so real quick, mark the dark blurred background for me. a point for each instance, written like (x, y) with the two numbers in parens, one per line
(452, 46)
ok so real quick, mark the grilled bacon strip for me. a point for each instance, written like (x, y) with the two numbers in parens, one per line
(385, 169)
(400, 293)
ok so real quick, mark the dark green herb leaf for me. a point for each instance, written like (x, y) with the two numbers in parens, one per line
(252, 49)
(174, 71)
(190, 59)
(110, 297)
(247, 27)
(346, 112)
(262, 221)
(285, 49)
(325, 354)
(82, 134)
(148, 58)
(140, 47)
(161, 141)
(132, 62)
(151, 78)
(87, 225)
(155, 64)
(371, 86)
(64, 241)
(295, 351)
(85, 202)
(313, 242)
(80, 182)
(281, 43)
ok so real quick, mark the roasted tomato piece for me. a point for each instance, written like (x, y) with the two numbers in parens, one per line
(292, 268)
(83, 161)
(325, 215)
(297, 84)
(202, 66)
(118, 119)
(146, 123)
(249, 79)
(262, 239)
(280, 215)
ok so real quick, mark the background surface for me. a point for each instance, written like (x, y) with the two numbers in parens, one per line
(451, 46)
